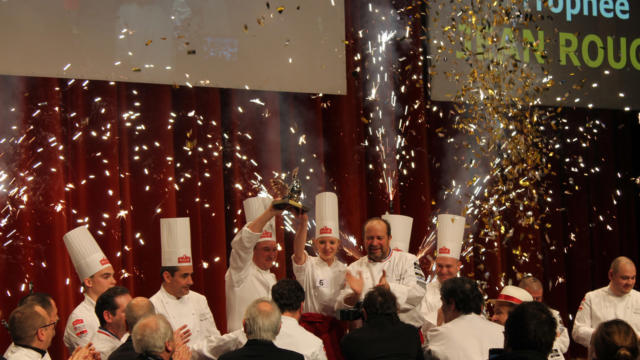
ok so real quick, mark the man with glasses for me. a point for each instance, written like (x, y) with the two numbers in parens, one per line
(32, 330)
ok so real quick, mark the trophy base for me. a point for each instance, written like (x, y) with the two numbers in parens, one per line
(290, 205)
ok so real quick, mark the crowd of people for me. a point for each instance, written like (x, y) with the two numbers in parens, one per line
(378, 307)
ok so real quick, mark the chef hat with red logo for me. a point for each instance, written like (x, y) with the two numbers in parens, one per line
(175, 241)
(450, 234)
(254, 207)
(400, 230)
(85, 254)
(327, 221)
(513, 294)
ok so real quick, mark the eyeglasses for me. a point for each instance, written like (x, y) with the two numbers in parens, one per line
(49, 324)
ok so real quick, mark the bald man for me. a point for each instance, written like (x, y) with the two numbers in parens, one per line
(618, 300)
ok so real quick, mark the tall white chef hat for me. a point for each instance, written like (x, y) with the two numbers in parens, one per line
(327, 221)
(253, 207)
(175, 241)
(400, 230)
(450, 235)
(85, 254)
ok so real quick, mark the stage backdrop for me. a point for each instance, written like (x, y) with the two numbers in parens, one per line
(119, 156)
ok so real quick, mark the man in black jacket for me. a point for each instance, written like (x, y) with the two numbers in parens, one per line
(137, 309)
(261, 325)
(383, 335)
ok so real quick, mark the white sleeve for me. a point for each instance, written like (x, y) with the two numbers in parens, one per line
(582, 329)
(241, 255)
(215, 346)
(562, 340)
(318, 353)
(346, 290)
(78, 332)
(300, 270)
(410, 291)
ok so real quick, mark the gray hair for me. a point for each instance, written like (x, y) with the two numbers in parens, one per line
(530, 282)
(150, 335)
(262, 320)
(137, 309)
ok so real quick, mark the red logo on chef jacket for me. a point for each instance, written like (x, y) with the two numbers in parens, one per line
(77, 322)
(326, 230)
(266, 235)
(444, 250)
(184, 259)
(104, 261)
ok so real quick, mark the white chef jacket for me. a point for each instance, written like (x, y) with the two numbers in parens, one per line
(15, 352)
(561, 343)
(431, 303)
(294, 337)
(244, 281)
(192, 310)
(467, 337)
(321, 283)
(602, 305)
(105, 342)
(405, 279)
(81, 324)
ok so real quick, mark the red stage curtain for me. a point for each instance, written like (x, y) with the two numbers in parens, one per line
(121, 156)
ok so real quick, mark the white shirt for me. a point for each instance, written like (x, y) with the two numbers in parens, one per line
(294, 337)
(405, 279)
(192, 310)
(81, 324)
(106, 342)
(244, 281)
(602, 305)
(431, 303)
(15, 352)
(467, 337)
(321, 283)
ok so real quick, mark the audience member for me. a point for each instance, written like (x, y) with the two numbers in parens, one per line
(153, 339)
(383, 335)
(614, 340)
(465, 335)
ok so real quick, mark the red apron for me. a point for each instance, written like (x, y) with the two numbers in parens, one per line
(327, 328)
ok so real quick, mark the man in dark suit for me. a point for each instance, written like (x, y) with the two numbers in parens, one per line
(137, 309)
(261, 325)
(383, 335)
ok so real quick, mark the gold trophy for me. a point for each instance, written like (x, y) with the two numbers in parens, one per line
(289, 194)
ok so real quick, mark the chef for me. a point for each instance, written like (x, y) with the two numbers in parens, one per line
(383, 266)
(96, 274)
(253, 252)
(180, 305)
(618, 300)
(450, 232)
(322, 277)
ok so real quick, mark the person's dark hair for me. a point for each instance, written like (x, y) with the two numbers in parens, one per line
(380, 301)
(530, 326)
(288, 294)
(107, 302)
(615, 340)
(170, 269)
(464, 293)
(377, 219)
(41, 299)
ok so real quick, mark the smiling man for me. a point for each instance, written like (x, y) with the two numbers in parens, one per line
(253, 252)
(96, 274)
(180, 305)
(396, 270)
(618, 300)
(450, 232)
